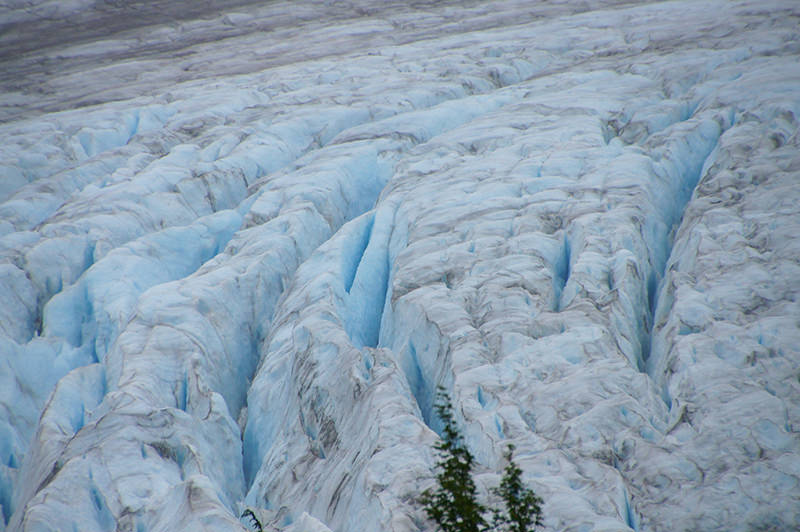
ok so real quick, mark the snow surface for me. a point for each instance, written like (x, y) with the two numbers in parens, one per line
(241, 246)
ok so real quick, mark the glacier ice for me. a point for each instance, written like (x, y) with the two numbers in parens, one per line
(235, 271)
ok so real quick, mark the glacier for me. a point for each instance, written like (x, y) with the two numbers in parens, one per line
(242, 244)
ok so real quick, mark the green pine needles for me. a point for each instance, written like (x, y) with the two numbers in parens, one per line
(454, 506)
(523, 507)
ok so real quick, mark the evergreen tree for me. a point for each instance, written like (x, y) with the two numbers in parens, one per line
(523, 506)
(453, 504)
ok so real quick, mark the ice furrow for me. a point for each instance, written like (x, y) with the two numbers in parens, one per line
(292, 397)
(685, 169)
(99, 304)
(367, 292)
(698, 337)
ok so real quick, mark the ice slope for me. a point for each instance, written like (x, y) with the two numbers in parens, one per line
(236, 286)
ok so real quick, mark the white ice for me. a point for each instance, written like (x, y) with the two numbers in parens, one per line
(234, 274)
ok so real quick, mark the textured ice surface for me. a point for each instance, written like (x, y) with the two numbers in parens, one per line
(241, 246)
